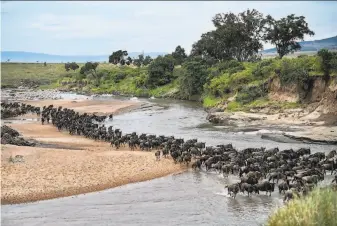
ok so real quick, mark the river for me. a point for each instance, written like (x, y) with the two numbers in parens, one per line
(190, 198)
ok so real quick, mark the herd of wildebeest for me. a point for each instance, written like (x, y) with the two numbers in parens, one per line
(294, 171)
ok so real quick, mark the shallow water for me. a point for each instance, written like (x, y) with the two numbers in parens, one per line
(190, 198)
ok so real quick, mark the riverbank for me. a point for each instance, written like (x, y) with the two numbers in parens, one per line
(310, 126)
(64, 165)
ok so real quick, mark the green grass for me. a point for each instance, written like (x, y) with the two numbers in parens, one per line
(13, 73)
(234, 106)
(318, 208)
(210, 101)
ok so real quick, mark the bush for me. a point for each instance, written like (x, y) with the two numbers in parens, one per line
(318, 208)
(295, 71)
(230, 67)
(234, 106)
(263, 69)
(251, 93)
(328, 61)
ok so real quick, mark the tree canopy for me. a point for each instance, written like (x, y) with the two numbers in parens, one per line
(235, 37)
(179, 55)
(194, 77)
(160, 71)
(72, 66)
(118, 56)
(285, 32)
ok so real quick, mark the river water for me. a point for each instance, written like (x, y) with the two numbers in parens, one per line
(190, 198)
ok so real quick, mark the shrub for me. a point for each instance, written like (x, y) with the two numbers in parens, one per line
(230, 67)
(318, 208)
(295, 71)
(263, 69)
(250, 93)
(234, 106)
(328, 61)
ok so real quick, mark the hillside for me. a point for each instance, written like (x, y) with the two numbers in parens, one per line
(328, 43)
(29, 57)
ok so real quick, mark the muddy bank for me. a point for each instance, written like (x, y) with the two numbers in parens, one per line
(63, 165)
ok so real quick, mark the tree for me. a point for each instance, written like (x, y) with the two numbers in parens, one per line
(140, 61)
(137, 62)
(117, 56)
(74, 66)
(160, 71)
(328, 62)
(129, 61)
(235, 37)
(179, 55)
(191, 82)
(89, 67)
(67, 66)
(285, 32)
(147, 60)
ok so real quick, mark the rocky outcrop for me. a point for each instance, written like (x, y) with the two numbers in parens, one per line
(11, 136)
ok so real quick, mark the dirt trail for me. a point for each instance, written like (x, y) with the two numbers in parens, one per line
(80, 166)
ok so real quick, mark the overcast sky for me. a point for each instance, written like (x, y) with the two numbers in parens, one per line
(95, 28)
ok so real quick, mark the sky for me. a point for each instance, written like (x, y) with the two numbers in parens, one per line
(99, 28)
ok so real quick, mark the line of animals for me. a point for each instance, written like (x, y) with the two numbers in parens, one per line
(258, 169)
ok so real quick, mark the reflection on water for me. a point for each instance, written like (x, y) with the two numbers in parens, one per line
(191, 198)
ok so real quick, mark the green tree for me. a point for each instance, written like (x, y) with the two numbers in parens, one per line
(73, 66)
(117, 56)
(179, 55)
(137, 62)
(194, 77)
(235, 37)
(285, 33)
(141, 59)
(89, 67)
(328, 62)
(129, 60)
(67, 66)
(147, 60)
(160, 71)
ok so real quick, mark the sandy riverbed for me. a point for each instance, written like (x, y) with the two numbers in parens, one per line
(89, 106)
(73, 164)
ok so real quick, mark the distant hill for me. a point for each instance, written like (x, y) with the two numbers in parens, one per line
(28, 57)
(328, 43)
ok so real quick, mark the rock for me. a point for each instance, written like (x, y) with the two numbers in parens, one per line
(17, 158)
(11, 136)
(6, 129)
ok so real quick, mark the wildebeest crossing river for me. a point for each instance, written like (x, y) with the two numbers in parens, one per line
(190, 198)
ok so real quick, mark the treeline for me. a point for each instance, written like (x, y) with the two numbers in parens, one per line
(220, 62)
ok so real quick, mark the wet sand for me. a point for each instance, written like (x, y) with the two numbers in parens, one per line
(80, 166)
